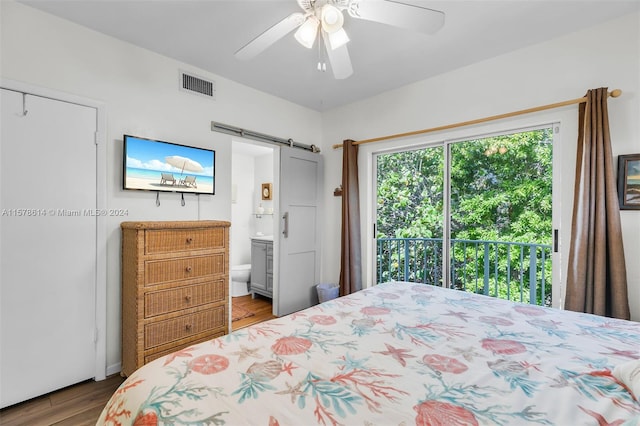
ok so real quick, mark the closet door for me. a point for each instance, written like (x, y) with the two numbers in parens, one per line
(47, 245)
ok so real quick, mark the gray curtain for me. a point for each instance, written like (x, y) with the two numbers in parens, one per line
(596, 277)
(350, 257)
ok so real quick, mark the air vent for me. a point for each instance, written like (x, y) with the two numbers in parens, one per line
(199, 86)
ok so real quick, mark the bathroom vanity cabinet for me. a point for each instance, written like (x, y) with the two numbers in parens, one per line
(261, 267)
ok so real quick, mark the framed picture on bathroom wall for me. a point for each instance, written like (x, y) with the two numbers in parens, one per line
(266, 191)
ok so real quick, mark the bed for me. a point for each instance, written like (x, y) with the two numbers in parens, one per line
(397, 354)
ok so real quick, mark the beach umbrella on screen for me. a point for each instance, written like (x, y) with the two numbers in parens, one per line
(184, 163)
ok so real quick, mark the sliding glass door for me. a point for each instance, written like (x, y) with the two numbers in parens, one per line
(474, 215)
(409, 226)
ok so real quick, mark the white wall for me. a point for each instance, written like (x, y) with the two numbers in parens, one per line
(241, 211)
(264, 173)
(248, 173)
(140, 91)
(565, 68)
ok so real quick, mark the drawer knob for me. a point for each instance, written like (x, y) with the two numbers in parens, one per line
(187, 298)
(188, 269)
(189, 240)
(187, 327)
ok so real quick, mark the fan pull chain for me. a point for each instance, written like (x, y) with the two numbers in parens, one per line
(322, 65)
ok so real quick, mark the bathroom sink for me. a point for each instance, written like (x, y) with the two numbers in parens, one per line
(263, 237)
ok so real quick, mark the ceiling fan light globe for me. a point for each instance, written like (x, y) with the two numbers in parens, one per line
(306, 34)
(332, 18)
(338, 39)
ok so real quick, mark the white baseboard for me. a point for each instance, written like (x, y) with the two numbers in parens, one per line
(113, 369)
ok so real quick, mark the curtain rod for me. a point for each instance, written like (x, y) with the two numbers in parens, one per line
(250, 134)
(614, 94)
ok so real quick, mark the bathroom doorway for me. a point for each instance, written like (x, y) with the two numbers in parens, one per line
(254, 197)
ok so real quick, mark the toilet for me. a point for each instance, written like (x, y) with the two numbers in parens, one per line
(240, 275)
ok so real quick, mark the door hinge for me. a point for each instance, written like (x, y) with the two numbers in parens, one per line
(95, 137)
(555, 240)
(95, 335)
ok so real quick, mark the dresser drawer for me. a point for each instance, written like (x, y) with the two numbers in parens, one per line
(175, 240)
(166, 301)
(164, 271)
(161, 332)
(150, 357)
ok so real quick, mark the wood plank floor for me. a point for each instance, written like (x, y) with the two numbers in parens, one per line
(81, 404)
(76, 405)
(261, 306)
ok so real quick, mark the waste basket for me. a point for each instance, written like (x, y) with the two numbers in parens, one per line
(327, 292)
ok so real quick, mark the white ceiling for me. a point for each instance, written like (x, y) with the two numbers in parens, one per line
(206, 33)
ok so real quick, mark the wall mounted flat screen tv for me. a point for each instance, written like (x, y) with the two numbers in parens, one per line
(154, 165)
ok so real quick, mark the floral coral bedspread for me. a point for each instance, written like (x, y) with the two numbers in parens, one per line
(397, 353)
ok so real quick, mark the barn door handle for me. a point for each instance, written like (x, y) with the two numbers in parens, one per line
(285, 231)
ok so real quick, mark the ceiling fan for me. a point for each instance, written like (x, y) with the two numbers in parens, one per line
(325, 18)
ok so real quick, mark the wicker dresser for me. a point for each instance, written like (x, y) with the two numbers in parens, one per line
(175, 280)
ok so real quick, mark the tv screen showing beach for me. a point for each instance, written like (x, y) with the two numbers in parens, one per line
(153, 165)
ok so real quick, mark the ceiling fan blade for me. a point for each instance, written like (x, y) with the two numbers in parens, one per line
(270, 36)
(339, 60)
(397, 14)
(306, 5)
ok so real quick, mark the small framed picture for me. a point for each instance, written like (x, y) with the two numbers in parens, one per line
(629, 181)
(266, 191)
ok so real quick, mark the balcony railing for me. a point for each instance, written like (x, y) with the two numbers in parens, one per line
(508, 270)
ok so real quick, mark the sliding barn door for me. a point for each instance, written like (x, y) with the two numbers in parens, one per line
(48, 245)
(299, 265)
